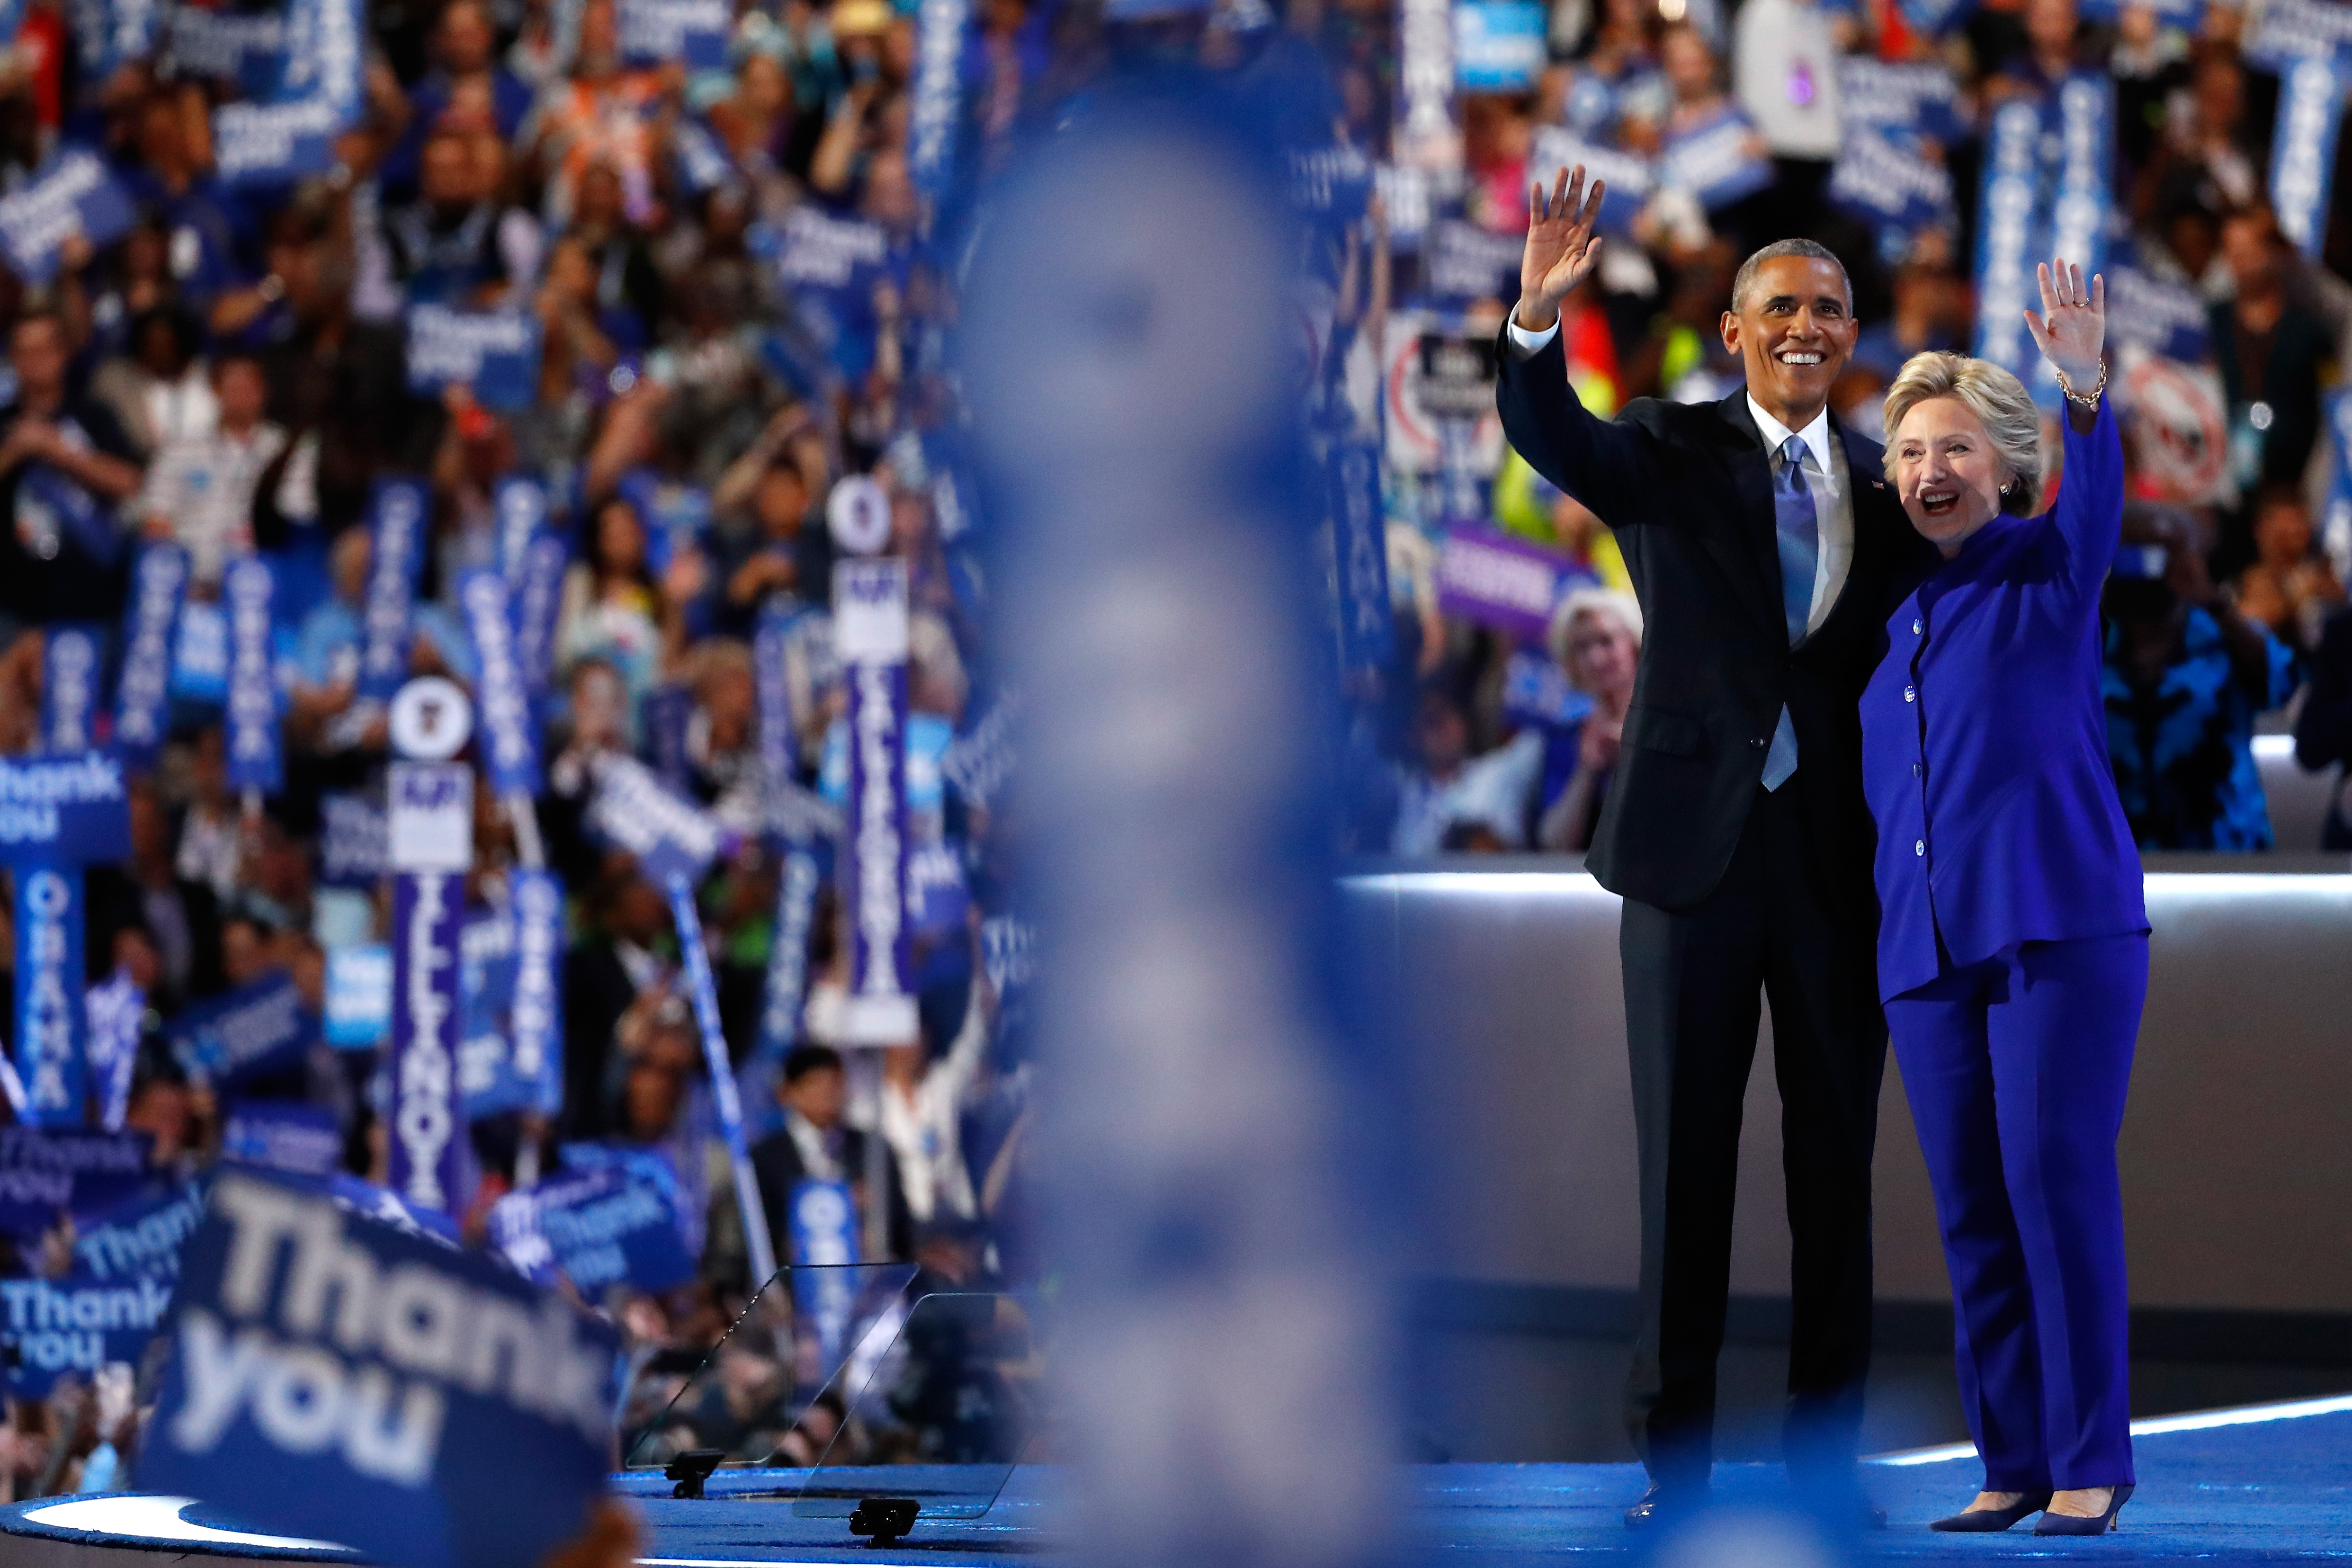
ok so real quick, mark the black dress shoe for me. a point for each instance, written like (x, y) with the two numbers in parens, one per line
(1663, 1504)
(1992, 1521)
(2072, 1524)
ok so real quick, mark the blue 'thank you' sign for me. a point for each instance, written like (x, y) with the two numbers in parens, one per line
(691, 32)
(254, 1028)
(70, 809)
(76, 195)
(141, 1238)
(50, 1328)
(48, 1172)
(495, 352)
(334, 1377)
(600, 1228)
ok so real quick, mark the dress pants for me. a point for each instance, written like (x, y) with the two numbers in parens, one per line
(2016, 1070)
(1692, 983)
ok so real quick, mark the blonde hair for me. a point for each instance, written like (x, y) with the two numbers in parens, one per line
(1608, 603)
(1997, 399)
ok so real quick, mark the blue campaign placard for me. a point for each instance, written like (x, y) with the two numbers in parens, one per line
(282, 1135)
(1359, 564)
(800, 876)
(487, 1082)
(1920, 97)
(2292, 30)
(246, 48)
(142, 692)
(824, 1232)
(829, 264)
(332, 1377)
(73, 194)
(1463, 262)
(72, 667)
(535, 1018)
(2302, 147)
(47, 1173)
(1719, 158)
(75, 1324)
(358, 997)
(260, 1026)
(2166, 318)
(1498, 44)
(200, 654)
(2008, 236)
(632, 810)
(520, 504)
(354, 838)
(63, 810)
(599, 1230)
(52, 1029)
(509, 736)
(397, 528)
(141, 1238)
(538, 600)
(1628, 179)
(934, 116)
(426, 1130)
(257, 759)
(265, 145)
(493, 352)
(664, 714)
(1888, 176)
(691, 32)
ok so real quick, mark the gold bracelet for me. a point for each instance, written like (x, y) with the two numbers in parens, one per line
(2089, 402)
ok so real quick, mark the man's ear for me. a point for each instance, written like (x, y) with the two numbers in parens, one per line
(1730, 332)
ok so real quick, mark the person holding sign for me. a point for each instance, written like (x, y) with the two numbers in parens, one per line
(2013, 953)
(1766, 555)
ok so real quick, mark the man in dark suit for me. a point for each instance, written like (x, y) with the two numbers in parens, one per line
(1767, 551)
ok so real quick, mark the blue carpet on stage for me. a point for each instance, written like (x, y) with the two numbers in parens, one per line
(2273, 1483)
(2277, 1488)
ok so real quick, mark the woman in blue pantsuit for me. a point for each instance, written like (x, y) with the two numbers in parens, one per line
(2012, 951)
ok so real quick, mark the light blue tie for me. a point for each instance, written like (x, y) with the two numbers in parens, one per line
(1800, 533)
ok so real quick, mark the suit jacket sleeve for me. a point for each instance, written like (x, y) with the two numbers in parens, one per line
(2090, 510)
(1606, 465)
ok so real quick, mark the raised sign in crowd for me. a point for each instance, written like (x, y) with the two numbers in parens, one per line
(505, 798)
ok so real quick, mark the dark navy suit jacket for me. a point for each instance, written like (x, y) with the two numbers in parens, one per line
(1984, 743)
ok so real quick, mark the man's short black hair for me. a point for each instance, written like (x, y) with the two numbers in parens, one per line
(1812, 249)
(806, 1059)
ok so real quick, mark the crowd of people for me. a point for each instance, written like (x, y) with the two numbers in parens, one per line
(737, 269)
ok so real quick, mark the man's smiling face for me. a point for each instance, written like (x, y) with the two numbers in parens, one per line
(1794, 329)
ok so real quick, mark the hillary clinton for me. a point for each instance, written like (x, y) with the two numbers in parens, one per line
(2012, 951)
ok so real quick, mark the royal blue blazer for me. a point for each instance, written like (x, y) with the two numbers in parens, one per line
(1984, 747)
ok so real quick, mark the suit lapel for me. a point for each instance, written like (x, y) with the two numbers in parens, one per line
(1748, 548)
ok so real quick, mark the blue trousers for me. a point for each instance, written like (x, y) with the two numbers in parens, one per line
(2016, 1070)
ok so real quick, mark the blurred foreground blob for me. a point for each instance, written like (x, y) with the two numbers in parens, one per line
(1224, 1365)
(611, 1540)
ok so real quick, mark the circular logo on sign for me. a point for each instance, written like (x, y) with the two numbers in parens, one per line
(859, 516)
(430, 720)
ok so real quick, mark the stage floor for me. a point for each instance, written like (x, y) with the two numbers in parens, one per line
(2270, 1483)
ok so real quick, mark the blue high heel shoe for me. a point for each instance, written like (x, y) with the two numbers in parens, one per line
(2070, 1525)
(1991, 1520)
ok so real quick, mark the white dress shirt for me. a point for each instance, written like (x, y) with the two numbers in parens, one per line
(1832, 488)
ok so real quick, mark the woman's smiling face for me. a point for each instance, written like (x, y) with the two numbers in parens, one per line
(1946, 472)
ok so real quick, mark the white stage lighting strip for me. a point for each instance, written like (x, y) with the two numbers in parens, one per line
(2325, 887)
(2154, 1427)
(150, 1518)
(154, 1519)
